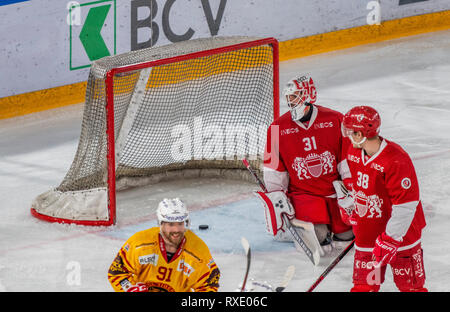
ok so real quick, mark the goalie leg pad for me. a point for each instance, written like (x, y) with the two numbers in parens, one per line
(308, 232)
(341, 240)
(275, 204)
(321, 231)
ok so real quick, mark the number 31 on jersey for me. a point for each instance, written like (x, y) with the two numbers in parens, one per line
(310, 143)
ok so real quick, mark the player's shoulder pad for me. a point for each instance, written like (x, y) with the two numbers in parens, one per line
(398, 157)
(396, 151)
(194, 242)
(328, 111)
(286, 117)
(144, 236)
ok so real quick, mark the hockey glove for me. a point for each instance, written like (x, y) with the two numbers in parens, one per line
(385, 249)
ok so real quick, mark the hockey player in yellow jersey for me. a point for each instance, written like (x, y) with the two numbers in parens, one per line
(169, 257)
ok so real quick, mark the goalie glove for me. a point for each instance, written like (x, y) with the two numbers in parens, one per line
(345, 202)
(275, 205)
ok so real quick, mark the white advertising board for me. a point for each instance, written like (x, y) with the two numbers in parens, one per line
(50, 43)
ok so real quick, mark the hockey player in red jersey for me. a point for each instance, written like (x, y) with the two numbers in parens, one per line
(388, 214)
(303, 157)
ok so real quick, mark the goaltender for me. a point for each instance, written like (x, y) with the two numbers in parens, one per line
(167, 258)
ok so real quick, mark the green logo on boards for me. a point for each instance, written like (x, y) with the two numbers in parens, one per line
(92, 32)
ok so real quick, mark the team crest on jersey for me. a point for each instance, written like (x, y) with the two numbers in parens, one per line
(314, 165)
(368, 205)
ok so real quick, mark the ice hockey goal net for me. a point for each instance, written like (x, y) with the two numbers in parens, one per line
(195, 107)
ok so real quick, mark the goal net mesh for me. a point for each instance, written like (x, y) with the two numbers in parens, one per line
(202, 113)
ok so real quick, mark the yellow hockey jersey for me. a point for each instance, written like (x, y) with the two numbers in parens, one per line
(143, 259)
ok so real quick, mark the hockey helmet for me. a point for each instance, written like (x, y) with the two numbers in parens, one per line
(172, 210)
(298, 92)
(361, 118)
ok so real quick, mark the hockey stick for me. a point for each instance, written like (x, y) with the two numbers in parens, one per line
(246, 246)
(332, 265)
(287, 278)
(313, 256)
(258, 180)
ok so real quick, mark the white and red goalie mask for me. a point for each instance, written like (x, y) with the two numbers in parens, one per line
(298, 92)
(361, 118)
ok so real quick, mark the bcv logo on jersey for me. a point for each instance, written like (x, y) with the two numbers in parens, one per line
(314, 165)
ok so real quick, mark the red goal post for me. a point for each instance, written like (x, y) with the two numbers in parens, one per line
(134, 99)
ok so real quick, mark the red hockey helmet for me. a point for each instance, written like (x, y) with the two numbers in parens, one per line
(364, 119)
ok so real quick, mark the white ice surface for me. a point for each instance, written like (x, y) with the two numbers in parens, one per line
(406, 80)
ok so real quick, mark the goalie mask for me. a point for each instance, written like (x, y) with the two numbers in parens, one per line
(300, 91)
(172, 210)
(361, 118)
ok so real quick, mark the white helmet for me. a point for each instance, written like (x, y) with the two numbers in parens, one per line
(172, 210)
(305, 92)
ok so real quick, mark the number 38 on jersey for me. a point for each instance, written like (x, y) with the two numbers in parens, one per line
(362, 180)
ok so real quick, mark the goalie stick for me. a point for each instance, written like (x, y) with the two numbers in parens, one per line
(314, 256)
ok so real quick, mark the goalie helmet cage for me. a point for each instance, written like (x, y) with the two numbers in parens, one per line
(186, 109)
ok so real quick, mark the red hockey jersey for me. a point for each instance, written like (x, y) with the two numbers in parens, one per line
(386, 194)
(305, 158)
